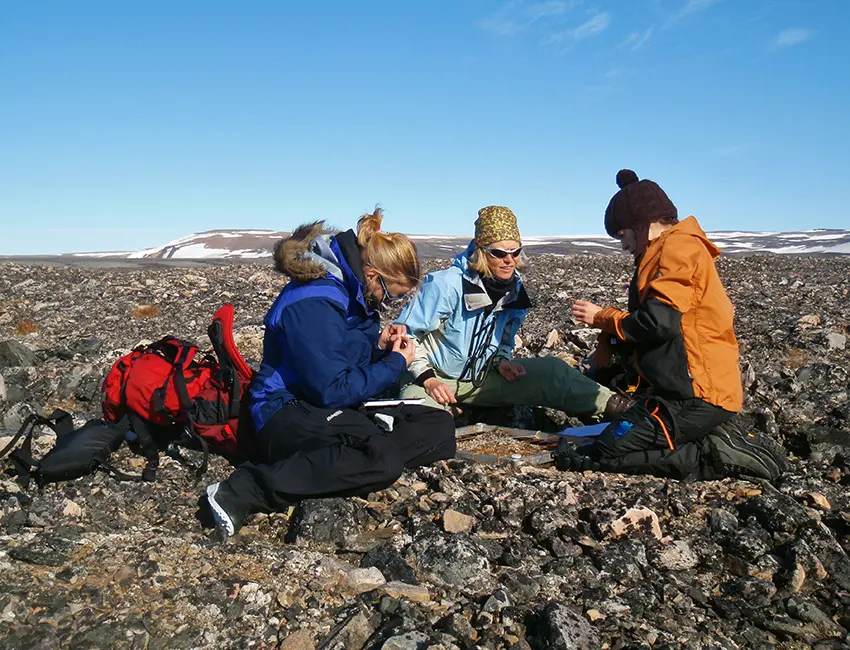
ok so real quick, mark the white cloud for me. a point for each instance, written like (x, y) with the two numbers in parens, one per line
(692, 6)
(795, 36)
(689, 8)
(593, 26)
(637, 40)
(517, 16)
(543, 10)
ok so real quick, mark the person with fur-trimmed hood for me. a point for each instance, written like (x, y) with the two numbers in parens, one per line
(679, 333)
(323, 355)
(465, 318)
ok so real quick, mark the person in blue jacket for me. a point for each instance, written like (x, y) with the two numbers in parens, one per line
(323, 355)
(464, 319)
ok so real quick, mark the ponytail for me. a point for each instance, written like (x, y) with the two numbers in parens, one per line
(392, 254)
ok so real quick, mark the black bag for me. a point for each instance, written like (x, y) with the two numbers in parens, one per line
(77, 452)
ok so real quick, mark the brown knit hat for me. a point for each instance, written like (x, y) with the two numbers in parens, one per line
(495, 223)
(636, 205)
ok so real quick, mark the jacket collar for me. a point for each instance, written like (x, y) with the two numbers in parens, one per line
(475, 295)
(346, 251)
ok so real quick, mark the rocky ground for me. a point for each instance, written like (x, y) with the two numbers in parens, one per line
(457, 555)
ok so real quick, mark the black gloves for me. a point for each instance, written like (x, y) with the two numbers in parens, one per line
(568, 458)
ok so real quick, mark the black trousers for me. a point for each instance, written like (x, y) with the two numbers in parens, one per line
(643, 448)
(305, 451)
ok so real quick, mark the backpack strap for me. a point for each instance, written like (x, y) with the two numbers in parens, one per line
(147, 444)
(234, 369)
(59, 421)
(191, 440)
(225, 317)
(178, 365)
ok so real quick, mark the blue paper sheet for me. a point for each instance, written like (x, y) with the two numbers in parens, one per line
(590, 431)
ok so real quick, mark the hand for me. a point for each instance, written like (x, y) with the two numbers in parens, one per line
(569, 458)
(585, 312)
(405, 346)
(389, 334)
(439, 391)
(510, 370)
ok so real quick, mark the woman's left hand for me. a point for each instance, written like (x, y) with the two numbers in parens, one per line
(585, 312)
(389, 334)
(510, 370)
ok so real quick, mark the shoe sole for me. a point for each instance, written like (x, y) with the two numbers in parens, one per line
(222, 519)
(757, 447)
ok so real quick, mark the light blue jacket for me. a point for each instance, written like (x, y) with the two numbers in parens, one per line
(448, 311)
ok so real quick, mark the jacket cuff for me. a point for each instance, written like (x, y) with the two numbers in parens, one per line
(395, 358)
(425, 376)
(608, 320)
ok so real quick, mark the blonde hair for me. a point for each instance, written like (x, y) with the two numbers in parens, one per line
(478, 262)
(392, 254)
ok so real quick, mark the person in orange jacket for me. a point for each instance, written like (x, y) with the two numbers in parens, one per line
(680, 335)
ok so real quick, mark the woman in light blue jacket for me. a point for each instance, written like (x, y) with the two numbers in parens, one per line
(465, 318)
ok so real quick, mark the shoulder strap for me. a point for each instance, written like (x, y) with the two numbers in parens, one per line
(220, 332)
(59, 421)
(235, 372)
(148, 447)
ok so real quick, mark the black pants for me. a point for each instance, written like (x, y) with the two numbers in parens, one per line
(305, 451)
(643, 449)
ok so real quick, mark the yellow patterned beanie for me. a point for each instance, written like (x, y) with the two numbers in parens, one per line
(495, 223)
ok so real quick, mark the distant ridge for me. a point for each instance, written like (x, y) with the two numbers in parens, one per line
(258, 244)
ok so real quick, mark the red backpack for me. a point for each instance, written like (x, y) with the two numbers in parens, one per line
(169, 385)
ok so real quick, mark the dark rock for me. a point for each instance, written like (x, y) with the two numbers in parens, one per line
(87, 347)
(391, 564)
(15, 355)
(749, 542)
(460, 628)
(723, 522)
(829, 552)
(624, 560)
(522, 587)
(324, 523)
(750, 592)
(563, 628)
(45, 549)
(452, 561)
(805, 611)
(776, 512)
(88, 388)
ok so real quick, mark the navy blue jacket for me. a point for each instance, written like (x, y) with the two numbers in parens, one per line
(321, 339)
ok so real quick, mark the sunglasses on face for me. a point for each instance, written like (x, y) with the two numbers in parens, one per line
(501, 253)
(387, 295)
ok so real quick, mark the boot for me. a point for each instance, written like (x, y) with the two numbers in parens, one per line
(226, 509)
(746, 454)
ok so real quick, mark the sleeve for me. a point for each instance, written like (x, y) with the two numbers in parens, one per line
(316, 334)
(435, 301)
(668, 295)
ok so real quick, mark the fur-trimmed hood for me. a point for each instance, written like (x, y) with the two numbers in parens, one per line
(306, 254)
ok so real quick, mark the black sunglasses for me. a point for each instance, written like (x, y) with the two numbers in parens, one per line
(387, 295)
(501, 253)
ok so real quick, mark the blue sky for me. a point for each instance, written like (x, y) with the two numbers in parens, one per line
(126, 125)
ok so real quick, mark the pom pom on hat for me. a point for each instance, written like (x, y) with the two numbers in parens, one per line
(636, 205)
(626, 177)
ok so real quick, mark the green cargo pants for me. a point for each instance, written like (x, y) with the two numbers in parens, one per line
(548, 381)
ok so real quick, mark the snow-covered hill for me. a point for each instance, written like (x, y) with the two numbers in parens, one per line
(257, 244)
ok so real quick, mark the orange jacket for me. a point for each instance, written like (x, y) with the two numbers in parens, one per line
(680, 320)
